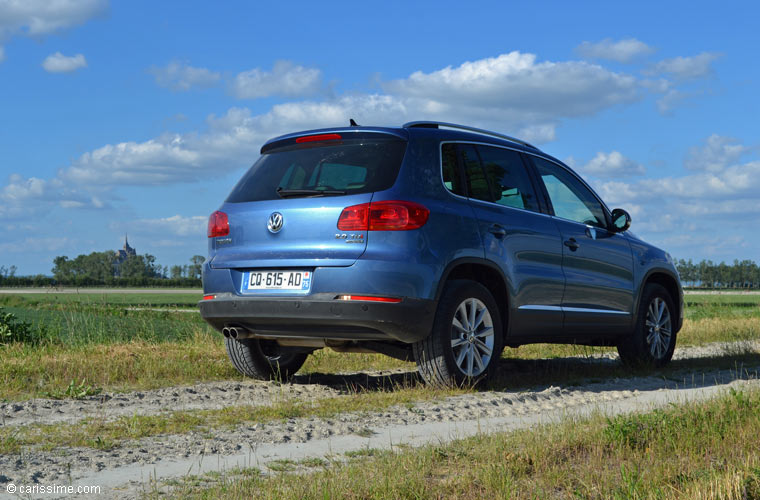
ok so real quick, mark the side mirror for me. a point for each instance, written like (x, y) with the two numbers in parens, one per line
(621, 220)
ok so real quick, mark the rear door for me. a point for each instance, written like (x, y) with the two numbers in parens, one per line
(597, 263)
(284, 212)
(522, 241)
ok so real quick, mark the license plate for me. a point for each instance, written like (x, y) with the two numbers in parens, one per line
(278, 280)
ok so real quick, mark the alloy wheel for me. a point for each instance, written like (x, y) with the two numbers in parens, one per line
(658, 328)
(472, 337)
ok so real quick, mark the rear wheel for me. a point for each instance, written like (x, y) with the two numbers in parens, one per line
(654, 338)
(466, 341)
(264, 359)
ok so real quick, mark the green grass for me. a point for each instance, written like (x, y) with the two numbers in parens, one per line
(691, 451)
(146, 299)
(95, 338)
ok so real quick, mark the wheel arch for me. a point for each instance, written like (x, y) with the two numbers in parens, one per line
(487, 274)
(671, 284)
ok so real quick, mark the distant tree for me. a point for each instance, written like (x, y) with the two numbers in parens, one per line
(176, 272)
(196, 267)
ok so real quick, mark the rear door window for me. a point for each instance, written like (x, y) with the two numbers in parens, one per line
(349, 166)
(507, 177)
(492, 174)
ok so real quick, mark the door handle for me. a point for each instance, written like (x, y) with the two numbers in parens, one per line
(497, 230)
(572, 244)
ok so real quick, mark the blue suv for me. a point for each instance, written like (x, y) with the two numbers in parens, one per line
(432, 242)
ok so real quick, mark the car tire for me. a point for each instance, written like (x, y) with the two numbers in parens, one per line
(654, 337)
(264, 359)
(460, 351)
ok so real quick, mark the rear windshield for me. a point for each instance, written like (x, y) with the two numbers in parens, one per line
(348, 166)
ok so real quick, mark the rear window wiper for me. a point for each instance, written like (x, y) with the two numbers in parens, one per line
(287, 193)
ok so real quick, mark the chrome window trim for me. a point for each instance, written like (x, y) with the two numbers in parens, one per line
(530, 307)
(490, 203)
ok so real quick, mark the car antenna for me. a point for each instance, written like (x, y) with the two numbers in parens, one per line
(353, 123)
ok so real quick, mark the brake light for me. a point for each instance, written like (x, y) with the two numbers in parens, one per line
(320, 137)
(218, 225)
(209, 297)
(383, 216)
(355, 218)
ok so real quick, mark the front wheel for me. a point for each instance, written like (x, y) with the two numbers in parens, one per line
(264, 359)
(466, 341)
(654, 338)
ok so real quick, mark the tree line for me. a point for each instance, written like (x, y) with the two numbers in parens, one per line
(105, 269)
(708, 274)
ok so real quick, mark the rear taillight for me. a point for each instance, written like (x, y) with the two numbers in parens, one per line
(383, 216)
(218, 225)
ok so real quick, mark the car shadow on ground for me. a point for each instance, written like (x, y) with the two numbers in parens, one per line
(594, 373)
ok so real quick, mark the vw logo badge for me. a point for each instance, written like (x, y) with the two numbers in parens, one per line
(275, 222)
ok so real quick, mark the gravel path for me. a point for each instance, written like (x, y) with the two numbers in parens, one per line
(123, 470)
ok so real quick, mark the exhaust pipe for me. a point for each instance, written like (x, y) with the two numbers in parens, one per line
(237, 333)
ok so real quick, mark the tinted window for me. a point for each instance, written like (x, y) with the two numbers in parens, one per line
(477, 184)
(570, 198)
(350, 165)
(450, 172)
(508, 179)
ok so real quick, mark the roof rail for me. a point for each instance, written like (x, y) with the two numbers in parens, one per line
(425, 124)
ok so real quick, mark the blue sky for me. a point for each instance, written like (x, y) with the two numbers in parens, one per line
(138, 117)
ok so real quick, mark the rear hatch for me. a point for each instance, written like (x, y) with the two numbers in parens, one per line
(284, 211)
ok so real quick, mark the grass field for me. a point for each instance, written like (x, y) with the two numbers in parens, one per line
(117, 341)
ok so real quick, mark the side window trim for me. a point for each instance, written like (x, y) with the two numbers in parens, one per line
(544, 203)
(575, 176)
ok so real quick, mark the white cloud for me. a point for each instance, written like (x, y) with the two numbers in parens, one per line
(515, 89)
(30, 196)
(58, 63)
(510, 93)
(612, 165)
(670, 100)
(694, 214)
(686, 68)
(42, 17)
(623, 51)
(33, 244)
(715, 154)
(732, 183)
(286, 79)
(178, 76)
(2, 53)
(176, 225)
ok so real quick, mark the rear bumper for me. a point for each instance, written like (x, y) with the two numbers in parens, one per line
(323, 317)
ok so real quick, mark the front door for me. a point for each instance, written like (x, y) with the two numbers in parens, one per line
(597, 262)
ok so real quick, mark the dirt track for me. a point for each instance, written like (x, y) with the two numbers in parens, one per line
(122, 471)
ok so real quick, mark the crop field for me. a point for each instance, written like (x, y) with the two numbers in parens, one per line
(145, 372)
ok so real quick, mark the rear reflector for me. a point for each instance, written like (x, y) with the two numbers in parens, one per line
(383, 216)
(368, 298)
(320, 137)
(209, 297)
(218, 225)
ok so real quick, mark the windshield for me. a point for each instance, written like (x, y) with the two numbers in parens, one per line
(334, 168)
